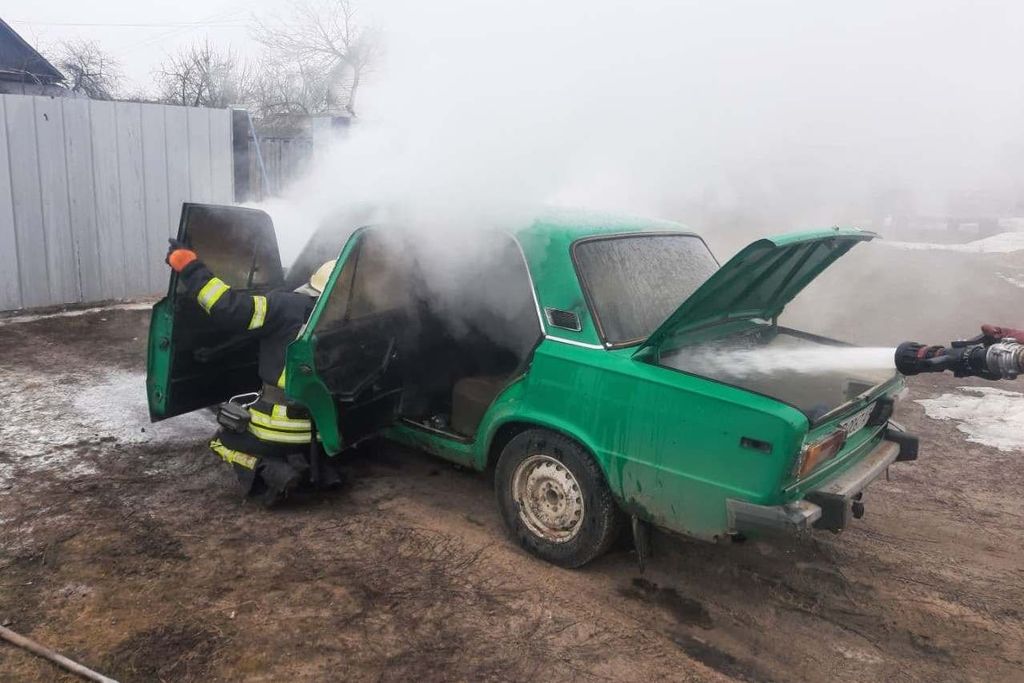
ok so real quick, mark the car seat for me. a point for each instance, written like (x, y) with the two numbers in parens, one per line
(471, 397)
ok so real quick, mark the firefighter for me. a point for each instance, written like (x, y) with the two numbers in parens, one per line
(271, 457)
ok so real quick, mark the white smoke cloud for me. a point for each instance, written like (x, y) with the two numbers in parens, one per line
(790, 113)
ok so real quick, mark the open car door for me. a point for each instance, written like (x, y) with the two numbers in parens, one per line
(193, 363)
(348, 364)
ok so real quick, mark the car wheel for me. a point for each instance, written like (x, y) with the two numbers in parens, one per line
(554, 499)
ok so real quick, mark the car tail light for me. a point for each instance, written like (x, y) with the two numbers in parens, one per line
(813, 454)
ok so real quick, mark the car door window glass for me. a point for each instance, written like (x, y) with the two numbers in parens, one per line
(381, 281)
(236, 244)
(340, 294)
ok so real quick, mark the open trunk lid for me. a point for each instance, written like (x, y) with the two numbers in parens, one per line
(757, 282)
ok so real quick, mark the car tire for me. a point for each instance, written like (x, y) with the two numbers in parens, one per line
(554, 499)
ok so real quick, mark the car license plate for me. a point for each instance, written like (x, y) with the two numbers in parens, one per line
(858, 421)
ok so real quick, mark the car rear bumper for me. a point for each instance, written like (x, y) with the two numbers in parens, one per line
(747, 517)
(832, 505)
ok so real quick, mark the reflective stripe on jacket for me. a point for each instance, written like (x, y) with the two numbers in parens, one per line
(274, 318)
(232, 456)
(278, 423)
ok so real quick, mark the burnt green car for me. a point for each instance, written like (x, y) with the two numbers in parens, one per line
(566, 357)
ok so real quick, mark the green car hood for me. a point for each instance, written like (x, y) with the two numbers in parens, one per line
(757, 282)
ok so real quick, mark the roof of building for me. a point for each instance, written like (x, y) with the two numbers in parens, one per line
(19, 61)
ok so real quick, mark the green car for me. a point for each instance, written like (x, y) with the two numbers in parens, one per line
(571, 357)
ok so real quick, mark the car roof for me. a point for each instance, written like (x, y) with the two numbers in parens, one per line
(568, 225)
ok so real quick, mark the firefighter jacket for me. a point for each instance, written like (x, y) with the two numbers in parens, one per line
(275, 319)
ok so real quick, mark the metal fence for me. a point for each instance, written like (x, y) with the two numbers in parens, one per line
(90, 191)
(284, 160)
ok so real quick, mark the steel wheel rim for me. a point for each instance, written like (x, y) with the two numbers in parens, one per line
(549, 498)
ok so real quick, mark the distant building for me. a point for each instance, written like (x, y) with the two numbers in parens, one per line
(23, 70)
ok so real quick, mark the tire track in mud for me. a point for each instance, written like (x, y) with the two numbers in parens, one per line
(688, 612)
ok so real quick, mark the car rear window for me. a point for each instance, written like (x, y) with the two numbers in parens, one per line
(634, 282)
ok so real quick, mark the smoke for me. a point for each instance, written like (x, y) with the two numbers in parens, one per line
(652, 106)
(739, 119)
(749, 117)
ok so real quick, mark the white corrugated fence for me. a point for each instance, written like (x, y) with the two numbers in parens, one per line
(90, 191)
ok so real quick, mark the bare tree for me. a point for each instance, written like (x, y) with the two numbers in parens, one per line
(279, 90)
(88, 69)
(202, 76)
(324, 41)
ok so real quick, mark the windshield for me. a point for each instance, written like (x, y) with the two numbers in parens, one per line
(634, 282)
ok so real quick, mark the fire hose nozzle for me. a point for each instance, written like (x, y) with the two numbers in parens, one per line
(913, 358)
(989, 359)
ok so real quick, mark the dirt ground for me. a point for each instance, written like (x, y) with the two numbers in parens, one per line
(132, 552)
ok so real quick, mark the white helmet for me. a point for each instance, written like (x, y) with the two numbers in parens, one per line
(318, 280)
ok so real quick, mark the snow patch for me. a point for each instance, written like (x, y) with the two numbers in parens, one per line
(858, 655)
(117, 407)
(989, 416)
(51, 422)
(1015, 281)
(1003, 243)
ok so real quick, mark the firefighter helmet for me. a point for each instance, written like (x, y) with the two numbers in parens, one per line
(318, 280)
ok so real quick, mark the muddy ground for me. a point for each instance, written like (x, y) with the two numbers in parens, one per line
(132, 552)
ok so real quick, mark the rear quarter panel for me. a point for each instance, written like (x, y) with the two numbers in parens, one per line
(669, 443)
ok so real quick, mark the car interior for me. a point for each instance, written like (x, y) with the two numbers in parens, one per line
(409, 335)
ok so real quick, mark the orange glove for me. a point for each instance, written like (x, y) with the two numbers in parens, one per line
(998, 332)
(179, 256)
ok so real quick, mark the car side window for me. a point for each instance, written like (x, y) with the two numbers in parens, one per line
(381, 278)
(375, 278)
(340, 295)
